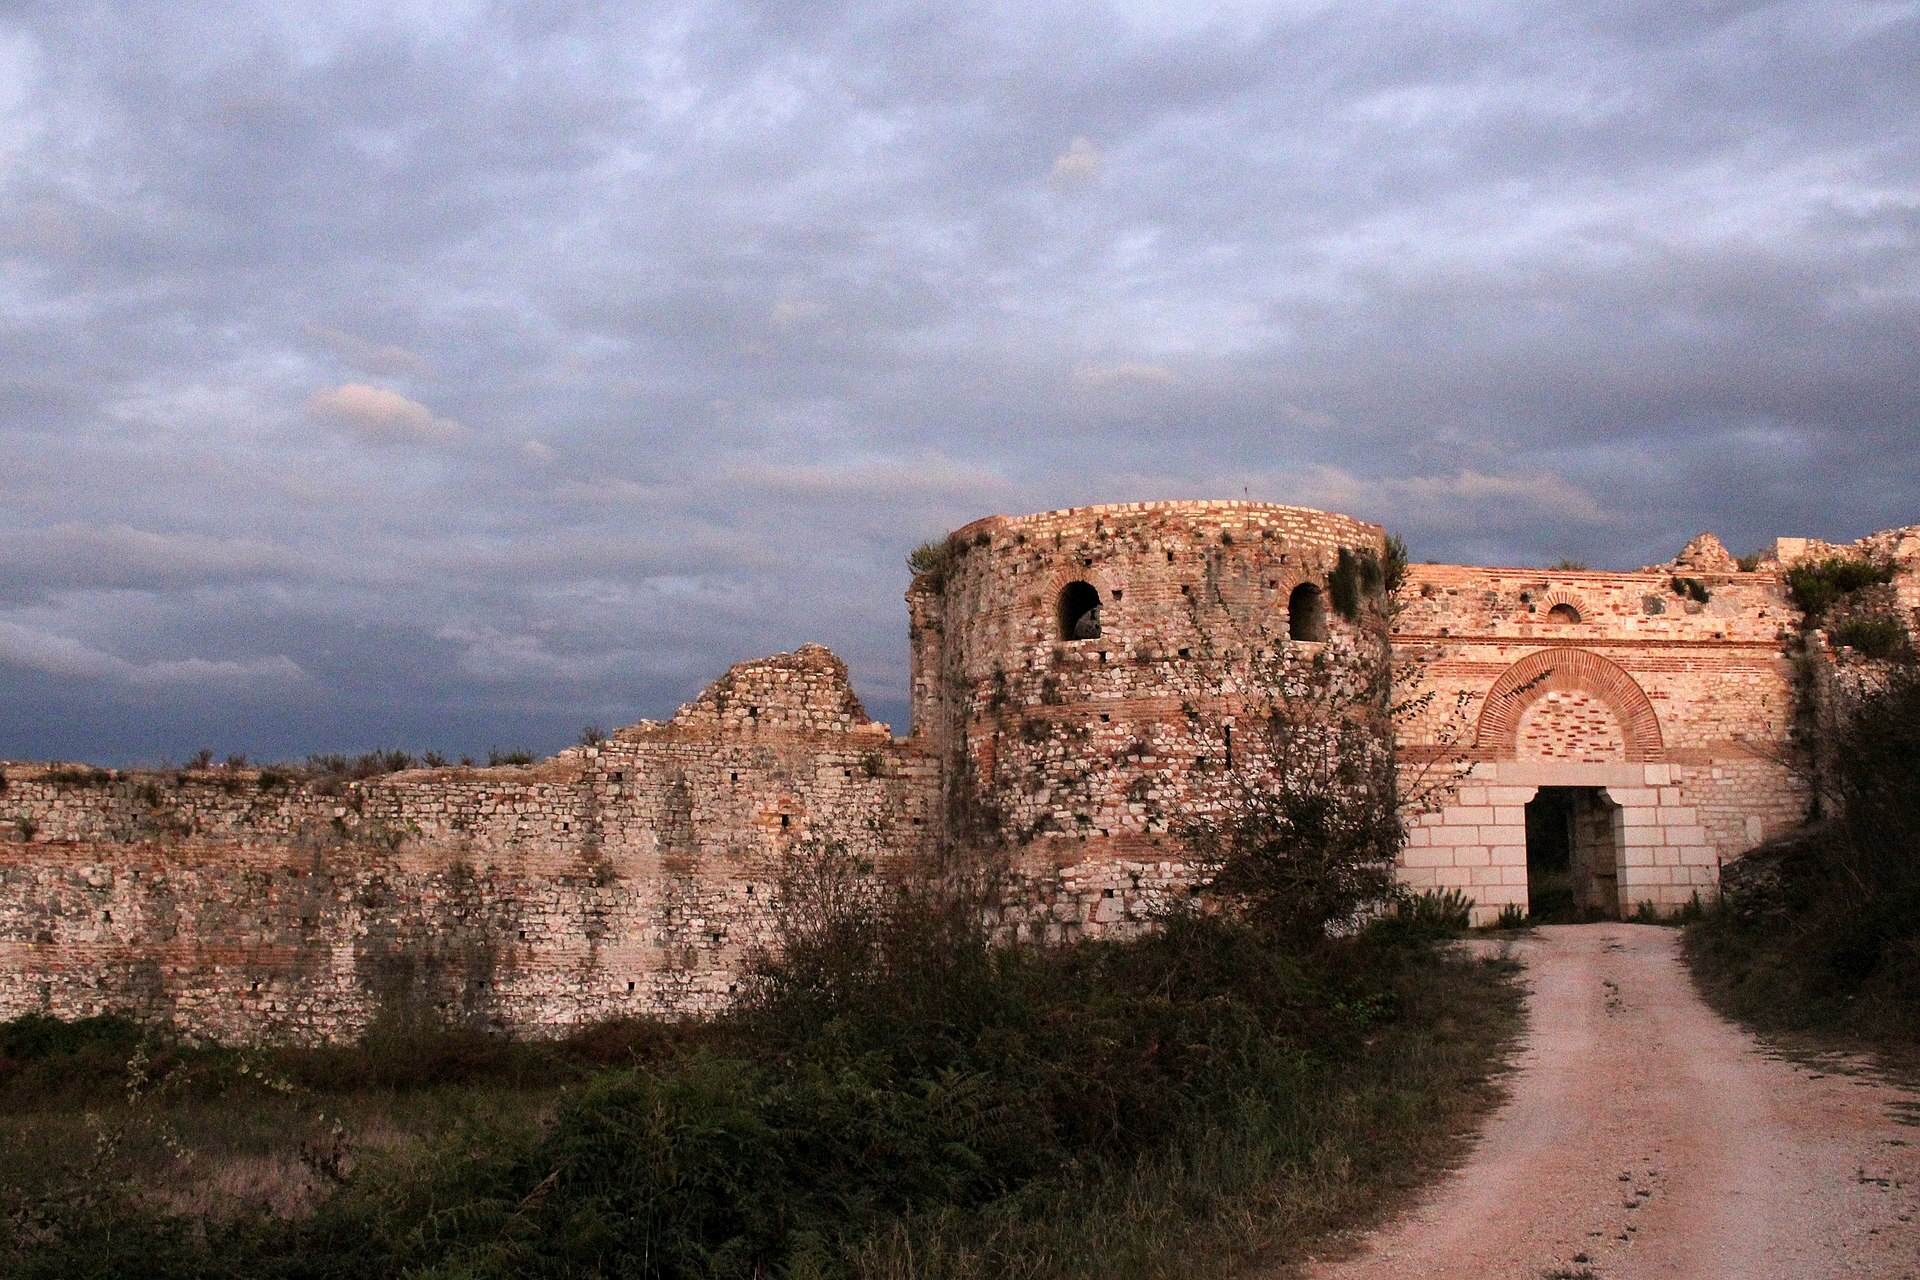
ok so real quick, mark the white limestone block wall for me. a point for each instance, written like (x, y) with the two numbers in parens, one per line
(1476, 841)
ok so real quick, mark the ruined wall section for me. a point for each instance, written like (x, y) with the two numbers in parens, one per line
(1681, 707)
(627, 877)
(1080, 756)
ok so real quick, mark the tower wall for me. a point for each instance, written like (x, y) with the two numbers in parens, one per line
(1081, 757)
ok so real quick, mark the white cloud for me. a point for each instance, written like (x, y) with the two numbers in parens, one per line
(75, 555)
(58, 655)
(1096, 377)
(387, 359)
(1079, 164)
(932, 474)
(535, 451)
(1458, 501)
(375, 415)
(794, 313)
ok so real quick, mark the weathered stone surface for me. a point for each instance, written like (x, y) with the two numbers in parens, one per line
(632, 876)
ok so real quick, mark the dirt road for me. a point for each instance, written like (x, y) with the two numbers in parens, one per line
(1647, 1137)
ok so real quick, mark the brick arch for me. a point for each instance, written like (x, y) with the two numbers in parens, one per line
(1566, 670)
(1545, 605)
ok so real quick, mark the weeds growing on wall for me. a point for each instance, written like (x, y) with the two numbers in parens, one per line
(1816, 585)
(1821, 931)
(934, 558)
(1872, 635)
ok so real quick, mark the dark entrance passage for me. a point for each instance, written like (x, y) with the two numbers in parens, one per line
(1573, 854)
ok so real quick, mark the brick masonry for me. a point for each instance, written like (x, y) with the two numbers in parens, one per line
(632, 876)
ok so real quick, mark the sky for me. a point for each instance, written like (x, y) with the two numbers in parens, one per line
(452, 376)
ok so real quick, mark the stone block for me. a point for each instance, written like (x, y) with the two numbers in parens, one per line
(1468, 816)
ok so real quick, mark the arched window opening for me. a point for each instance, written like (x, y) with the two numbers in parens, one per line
(1079, 612)
(1564, 614)
(1307, 613)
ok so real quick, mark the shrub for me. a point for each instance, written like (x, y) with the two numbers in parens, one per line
(1355, 576)
(1824, 930)
(1434, 913)
(498, 757)
(1873, 635)
(1816, 585)
(1690, 589)
(933, 558)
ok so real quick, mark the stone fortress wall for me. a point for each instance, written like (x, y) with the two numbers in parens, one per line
(632, 876)
(624, 878)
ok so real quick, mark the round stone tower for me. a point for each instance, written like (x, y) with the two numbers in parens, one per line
(1088, 678)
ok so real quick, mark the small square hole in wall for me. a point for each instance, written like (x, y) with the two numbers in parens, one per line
(523, 935)
(1185, 589)
(733, 777)
(731, 988)
(1103, 655)
(1106, 893)
(1105, 718)
(629, 988)
(1117, 593)
(619, 776)
(786, 819)
(1186, 653)
(1169, 557)
(716, 939)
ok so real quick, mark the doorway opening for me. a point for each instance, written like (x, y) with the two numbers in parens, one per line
(1573, 855)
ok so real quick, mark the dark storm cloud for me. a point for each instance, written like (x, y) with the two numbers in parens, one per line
(458, 374)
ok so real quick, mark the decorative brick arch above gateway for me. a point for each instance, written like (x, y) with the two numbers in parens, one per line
(1569, 672)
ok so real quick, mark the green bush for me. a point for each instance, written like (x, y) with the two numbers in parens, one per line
(1816, 585)
(933, 558)
(1823, 931)
(1690, 589)
(1874, 635)
(1433, 914)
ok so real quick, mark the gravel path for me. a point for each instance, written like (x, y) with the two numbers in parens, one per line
(1646, 1136)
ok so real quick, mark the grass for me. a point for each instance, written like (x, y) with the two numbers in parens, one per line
(900, 1100)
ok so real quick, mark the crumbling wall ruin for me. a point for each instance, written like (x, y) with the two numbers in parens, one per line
(1083, 682)
(623, 878)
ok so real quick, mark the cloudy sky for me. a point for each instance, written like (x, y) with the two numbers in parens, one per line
(454, 375)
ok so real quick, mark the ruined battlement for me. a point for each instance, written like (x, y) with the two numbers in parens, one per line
(1083, 682)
